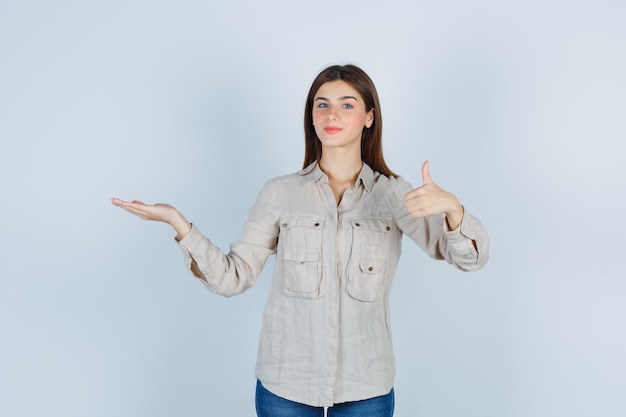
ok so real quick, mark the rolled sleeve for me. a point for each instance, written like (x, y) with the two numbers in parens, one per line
(468, 244)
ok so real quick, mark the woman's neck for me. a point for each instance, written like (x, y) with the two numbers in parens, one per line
(341, 166)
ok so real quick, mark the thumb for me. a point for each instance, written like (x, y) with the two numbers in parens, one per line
(426, 173)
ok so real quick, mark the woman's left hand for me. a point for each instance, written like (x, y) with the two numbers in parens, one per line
(430, 200)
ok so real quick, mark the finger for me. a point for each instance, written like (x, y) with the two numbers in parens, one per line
(131, 210)
(129, 207)
(426, 173)
(415, 205)
(416, 192)
(416, 210)
(139, 212)
(414, 197)
(410, 202)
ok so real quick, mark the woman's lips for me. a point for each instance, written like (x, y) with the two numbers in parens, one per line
(332, 129)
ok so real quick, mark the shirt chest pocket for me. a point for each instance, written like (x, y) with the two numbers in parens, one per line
(301, 244)
(371, 238)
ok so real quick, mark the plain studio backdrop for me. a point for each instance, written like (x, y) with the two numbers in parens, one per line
(520, 107)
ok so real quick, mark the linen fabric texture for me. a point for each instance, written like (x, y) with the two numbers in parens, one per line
(326, 334)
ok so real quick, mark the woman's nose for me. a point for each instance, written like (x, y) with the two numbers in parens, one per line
(332, 114)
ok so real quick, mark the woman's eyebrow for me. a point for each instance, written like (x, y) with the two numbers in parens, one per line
(339, 99)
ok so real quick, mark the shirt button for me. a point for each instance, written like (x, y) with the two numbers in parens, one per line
(371, 268)
(388, 228)
(317, 225)
(357, 224)
(284, 224)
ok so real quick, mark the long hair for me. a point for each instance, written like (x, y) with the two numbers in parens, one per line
(371, 138)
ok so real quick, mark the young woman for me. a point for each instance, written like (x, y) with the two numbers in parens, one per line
(336, 228)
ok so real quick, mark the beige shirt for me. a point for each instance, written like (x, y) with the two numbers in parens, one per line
(326, 336)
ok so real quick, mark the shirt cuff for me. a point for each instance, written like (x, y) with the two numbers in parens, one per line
(466, 230)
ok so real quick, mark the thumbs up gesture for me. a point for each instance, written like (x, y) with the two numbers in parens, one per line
(430, 200)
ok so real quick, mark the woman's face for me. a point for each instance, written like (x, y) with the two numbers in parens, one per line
(339, 115)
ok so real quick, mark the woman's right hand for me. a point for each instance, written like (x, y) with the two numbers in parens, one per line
(157, 212)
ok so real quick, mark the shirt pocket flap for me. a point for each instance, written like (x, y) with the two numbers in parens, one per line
(295, 221)
(371, 266)
(382, 224)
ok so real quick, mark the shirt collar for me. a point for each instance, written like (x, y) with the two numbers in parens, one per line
(367, 177)
(313, 173)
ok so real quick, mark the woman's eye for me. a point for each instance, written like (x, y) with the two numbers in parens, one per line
(347, 106)
(322, 105)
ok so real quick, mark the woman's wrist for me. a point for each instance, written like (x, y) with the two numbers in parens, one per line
(454, 217)
(180, 225)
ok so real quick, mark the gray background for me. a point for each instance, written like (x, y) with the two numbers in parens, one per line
(519, 106)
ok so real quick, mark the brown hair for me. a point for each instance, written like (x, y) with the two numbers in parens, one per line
(371, 139)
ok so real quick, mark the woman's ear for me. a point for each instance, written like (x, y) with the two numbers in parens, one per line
(369, 119)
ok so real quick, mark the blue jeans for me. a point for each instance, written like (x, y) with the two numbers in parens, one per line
(271, 405)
